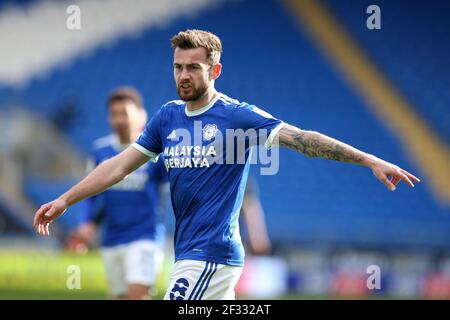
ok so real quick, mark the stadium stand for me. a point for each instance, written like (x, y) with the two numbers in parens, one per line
(411, 48)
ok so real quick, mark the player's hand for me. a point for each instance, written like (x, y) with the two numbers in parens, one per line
(81, 239)
(391, 175)
(46, 214)
(86, 232)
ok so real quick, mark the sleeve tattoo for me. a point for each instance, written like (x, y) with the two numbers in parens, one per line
(315, 144)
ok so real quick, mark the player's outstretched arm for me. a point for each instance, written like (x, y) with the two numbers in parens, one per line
(102, 177)
(315, 144)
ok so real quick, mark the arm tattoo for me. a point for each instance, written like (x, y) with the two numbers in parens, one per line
(315, 144)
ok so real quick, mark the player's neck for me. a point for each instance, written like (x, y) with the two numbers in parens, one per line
(203, 101)
(125, 139)
(124, 142)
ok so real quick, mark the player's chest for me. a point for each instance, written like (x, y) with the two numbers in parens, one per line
(198, 131)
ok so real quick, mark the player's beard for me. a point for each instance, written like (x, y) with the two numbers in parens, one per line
(195, 94)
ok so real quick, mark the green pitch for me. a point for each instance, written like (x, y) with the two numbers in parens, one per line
(49, 275)
(58, 275)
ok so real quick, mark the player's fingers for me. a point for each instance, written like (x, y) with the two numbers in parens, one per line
(48, 216)
(38, 215)
(410, 176)
(387, 183)
(405, 178)
(395, 180)
(38, 227)
(47, 232)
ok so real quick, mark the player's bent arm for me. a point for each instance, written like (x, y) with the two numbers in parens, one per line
(105, 175)
(102, 177)
(315, 144)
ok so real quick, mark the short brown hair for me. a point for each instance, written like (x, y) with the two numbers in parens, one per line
(126, 93)
(192, 38)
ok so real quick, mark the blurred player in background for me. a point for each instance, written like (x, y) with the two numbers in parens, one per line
(206, 194)
(257, 241)
(129, 211)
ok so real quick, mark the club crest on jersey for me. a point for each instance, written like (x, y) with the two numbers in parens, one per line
(172, 135)
(209, 131)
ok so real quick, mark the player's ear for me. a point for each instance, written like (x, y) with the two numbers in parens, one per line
(216, 71)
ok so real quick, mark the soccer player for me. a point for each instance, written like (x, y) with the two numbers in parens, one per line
(206, 192)
(130, 210)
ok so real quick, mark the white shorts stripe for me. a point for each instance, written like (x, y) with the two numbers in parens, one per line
(209, 265)
(198, 282)
(207, 283)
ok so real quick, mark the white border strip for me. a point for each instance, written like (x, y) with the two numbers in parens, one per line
(273, 134)
(151, 155)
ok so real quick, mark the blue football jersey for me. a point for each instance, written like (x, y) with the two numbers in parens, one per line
(207, 157)
(130, 210)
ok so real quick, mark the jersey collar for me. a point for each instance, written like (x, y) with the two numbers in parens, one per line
(203, 109)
